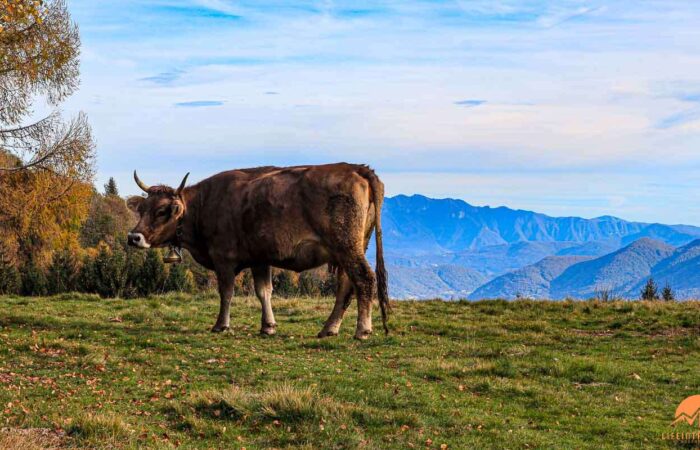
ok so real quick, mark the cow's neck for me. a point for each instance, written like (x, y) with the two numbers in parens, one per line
(188, 221)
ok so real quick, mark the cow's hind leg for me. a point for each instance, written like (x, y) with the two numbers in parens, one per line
(225, 279)
(363, 278)
(343, 297)
(262, 276)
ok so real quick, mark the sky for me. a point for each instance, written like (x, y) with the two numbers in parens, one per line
(583, 108)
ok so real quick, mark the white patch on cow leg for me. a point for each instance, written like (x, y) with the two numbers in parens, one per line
(343, 297)
(364, 318)
(226, 283)
(262, 277)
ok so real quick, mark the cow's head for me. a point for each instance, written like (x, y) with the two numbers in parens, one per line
(159, 213)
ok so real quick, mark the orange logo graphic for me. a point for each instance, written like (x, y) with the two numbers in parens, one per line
(688, 411)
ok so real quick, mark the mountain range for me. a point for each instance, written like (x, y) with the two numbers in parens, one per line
(447, 248)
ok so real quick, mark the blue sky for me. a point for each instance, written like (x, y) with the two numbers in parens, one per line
(567, 107)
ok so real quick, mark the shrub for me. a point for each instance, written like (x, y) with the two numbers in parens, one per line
(134, 264)
(87, 278)
(33, 280)
(105, 274)
(63, 272)
(10, 281)
(152, 275)
(244, 283)
(308, 285)
(179, 279)
(283, 283)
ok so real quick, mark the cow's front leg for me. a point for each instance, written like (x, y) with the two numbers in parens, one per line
(262, 277)
(225, 279)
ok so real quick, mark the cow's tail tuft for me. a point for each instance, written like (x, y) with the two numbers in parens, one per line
(380, 271)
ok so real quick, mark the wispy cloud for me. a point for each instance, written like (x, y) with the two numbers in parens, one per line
(489, 85)
(199, 104)
(469, 103)
(165, 78)
(678, 119)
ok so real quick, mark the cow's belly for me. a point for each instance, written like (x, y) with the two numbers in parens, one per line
(307, 254)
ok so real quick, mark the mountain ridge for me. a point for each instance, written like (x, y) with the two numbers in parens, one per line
(424, 233)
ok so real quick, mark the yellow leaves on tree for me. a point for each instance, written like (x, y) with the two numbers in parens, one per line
(35, 219)
(46, 167)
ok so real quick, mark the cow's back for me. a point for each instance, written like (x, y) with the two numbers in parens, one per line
(265, 213)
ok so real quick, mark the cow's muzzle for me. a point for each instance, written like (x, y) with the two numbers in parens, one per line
(137, 240)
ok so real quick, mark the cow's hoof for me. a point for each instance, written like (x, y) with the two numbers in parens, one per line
(268, 330)
(219, 328)
(363, 335)
(327, 333)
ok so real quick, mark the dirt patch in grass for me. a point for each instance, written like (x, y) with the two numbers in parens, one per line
(31, 438)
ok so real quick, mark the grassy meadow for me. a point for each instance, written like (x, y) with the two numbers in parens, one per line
(80, 372)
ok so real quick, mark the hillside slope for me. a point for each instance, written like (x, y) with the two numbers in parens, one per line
(529, 282)
(617, 272)
(681, 271)
(148, 373)
(447, 282)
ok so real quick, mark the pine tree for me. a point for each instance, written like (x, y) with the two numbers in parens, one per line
(10, 280)
(63, 272)
(33, 280)
(111, 188)
(650, 290)
(667, 293)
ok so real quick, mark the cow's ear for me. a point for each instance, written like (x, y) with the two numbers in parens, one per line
(134, 202)
(178, 209)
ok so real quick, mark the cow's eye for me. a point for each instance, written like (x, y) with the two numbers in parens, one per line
(162, 212)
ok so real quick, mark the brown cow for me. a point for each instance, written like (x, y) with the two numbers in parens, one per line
(294, 218)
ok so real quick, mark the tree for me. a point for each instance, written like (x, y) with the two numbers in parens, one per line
(63, 272)
(667, 293)
(46, 167)
(39, 49)
(650, 290)
(34, 218)
(10, 280)
(111, 188)
(33, 280)
(108, 220)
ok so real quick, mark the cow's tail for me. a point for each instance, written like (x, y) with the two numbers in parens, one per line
(380, 271)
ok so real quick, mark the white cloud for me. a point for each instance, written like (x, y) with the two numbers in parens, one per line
(565, 86)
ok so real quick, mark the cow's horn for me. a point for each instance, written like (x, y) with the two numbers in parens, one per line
(182, 185)
(140, 183)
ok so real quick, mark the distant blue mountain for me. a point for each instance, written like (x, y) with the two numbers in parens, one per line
(680, 271)
(618, 272)
(424, 233)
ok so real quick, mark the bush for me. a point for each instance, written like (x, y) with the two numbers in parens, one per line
(179, 279)
(134, 264)
(283, 283)
(151, 279)
(33, 280)
(308, 285)
(244, 283)
(10, 281)
(63, 273)
(105, 274)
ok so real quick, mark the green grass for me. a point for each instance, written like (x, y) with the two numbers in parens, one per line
(494, 374)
